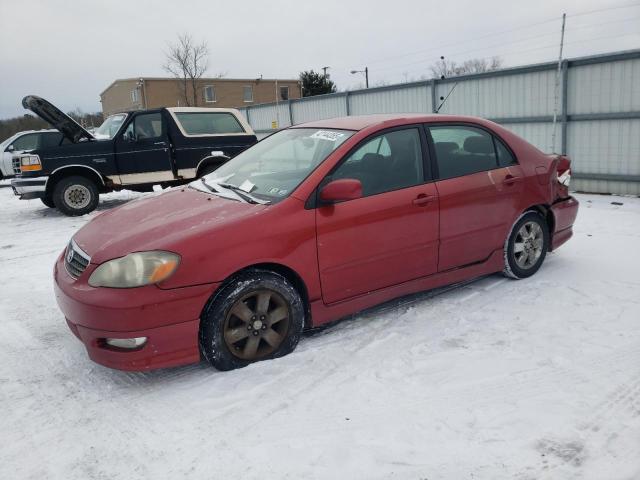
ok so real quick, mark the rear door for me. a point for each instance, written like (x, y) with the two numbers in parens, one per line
(388, 236)
(478, 193)
(142, 150)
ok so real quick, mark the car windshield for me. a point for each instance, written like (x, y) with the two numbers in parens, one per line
(109, 127)
(275, 166)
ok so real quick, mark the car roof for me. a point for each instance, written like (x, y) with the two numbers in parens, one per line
(360, 122)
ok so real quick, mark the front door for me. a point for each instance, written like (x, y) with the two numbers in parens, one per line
(479, 187)
(388, 236)
(142, 151)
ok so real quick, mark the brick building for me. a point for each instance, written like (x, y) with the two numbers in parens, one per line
(151, 92)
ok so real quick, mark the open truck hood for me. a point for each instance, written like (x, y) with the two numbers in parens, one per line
(57, 118)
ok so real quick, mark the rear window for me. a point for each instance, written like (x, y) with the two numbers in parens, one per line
(206, 123)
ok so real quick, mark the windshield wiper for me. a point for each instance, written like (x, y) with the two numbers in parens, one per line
(241, 193)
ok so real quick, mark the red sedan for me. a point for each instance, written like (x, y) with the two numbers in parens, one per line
(311, 224)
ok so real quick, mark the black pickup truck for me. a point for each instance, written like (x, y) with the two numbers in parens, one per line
(130, 150)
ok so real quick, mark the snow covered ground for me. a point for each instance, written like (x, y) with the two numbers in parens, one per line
(496, 379)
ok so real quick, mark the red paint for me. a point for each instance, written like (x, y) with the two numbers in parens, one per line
(350, 255)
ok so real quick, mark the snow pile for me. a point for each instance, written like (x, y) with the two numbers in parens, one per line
(528, 379)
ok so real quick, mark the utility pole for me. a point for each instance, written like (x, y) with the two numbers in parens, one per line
(366, 76)
(324, 71)
(557, 87)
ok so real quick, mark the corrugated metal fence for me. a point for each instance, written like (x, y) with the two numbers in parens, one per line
(598, 117)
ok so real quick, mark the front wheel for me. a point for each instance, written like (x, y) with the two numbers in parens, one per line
(526, 246)
(257, 316)
(75, 195)
(47, 200)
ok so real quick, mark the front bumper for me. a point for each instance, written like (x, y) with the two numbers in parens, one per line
(29, 188)
(564, 215)
(170, 319)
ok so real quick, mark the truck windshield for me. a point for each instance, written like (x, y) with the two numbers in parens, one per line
(274, 167)
(110, 127)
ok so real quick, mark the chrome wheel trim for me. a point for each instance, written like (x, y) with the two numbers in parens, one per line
(528, 245)
(77, 196)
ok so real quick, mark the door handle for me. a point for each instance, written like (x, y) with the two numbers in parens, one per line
(159, 143)
(510, 180)
(422, 200)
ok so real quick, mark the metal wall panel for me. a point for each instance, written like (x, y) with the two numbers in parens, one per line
(401, 100)
(519, 95)
(328, 106)
(538, 134)
(605, 146)
(605, 87)
(262, 116)
(599, 85)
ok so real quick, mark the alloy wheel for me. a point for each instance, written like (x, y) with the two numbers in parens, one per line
(77, 196)
(528, 245)
(256, 324)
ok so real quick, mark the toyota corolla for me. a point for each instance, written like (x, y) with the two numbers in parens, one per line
(311, 224)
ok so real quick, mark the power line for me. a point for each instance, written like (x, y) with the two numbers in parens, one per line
(474, 39)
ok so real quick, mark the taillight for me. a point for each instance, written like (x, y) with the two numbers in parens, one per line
(563, 174)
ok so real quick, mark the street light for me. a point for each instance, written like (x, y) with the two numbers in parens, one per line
(366, 74)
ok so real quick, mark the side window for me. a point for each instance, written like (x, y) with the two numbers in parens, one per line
(505, 158)
(462, 150)
(387, 162)
(50, 139)
(26, 142)
(147, 126)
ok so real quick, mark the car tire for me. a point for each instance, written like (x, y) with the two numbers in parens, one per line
(47, 200)
(257, 316)
(526, 246)
(75, 195)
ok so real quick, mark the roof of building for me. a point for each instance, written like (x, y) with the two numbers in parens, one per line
(203, 79)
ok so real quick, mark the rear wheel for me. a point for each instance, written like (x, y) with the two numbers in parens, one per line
(257, 316)
(75, 195)
(526, 246)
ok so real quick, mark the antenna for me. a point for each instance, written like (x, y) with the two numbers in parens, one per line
(442, 77)
(444, 99)
(557, 88)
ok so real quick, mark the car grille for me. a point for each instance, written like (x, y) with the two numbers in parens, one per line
(15, 161)
(75, 260)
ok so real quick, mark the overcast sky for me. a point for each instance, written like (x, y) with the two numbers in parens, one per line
(69, 51)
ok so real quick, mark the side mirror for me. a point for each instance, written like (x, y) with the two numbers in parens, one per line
(341, 190)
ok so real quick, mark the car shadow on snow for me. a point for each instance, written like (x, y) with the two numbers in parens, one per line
(169, 377)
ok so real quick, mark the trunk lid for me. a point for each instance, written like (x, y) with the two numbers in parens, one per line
(57, 118)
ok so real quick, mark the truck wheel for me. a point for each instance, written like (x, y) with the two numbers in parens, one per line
(75, 195)
(48, 201)
(257, 316)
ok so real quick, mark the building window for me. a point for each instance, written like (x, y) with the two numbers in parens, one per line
(247, 93)
(135, 95)
(209, 94)
(284, 93)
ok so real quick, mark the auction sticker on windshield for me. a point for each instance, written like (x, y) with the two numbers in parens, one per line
(327, 135)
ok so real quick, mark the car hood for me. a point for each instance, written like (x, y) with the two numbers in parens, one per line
(57, 118)
(161, 222)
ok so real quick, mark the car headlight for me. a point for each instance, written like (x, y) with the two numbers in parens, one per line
(135, 270)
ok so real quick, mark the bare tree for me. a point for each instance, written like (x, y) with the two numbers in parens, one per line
(448, 68)
(187, 61)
